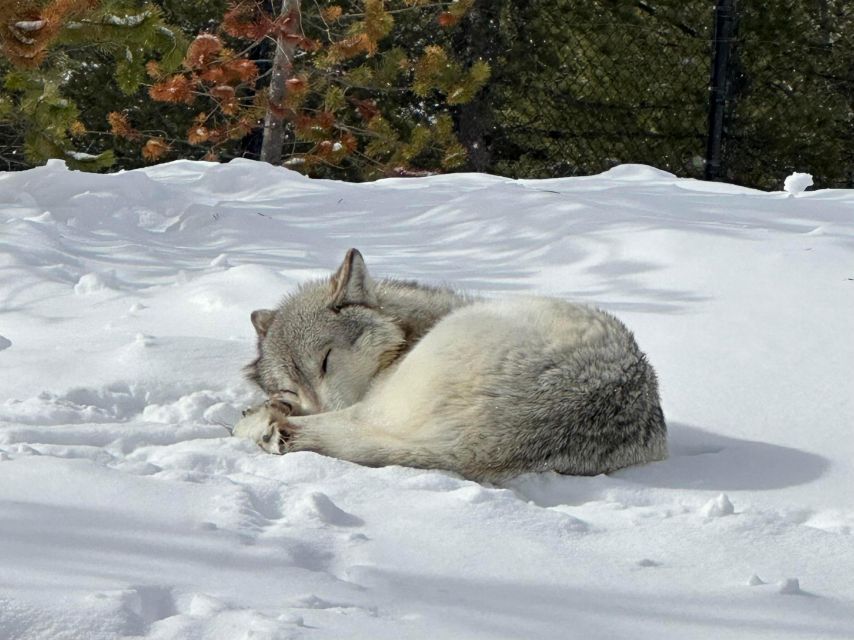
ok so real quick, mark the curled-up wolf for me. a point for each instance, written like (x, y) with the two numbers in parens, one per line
(391, 372)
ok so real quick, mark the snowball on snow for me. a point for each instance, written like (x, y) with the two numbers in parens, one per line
(718, 507)
(797, 182)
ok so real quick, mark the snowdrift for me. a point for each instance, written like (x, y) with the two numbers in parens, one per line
(126, 510)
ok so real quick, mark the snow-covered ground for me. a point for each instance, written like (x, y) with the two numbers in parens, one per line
(126, 510)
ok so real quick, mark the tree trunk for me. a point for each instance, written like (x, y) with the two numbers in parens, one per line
(274, 121)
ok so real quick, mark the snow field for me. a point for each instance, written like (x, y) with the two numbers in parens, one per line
(127, 511)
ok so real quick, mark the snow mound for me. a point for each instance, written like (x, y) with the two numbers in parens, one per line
(126, 510)
(637, 173)
(90, 283)
(790, 586)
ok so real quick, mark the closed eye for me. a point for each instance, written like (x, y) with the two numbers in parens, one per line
(325, 364)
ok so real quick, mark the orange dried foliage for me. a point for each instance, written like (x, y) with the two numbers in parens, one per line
(213, 75)
(297, 85)
(217, 135)
(247, 20)
(203, 51)
(175, 89)
(367, 109)
(447, 19)
(316, 127)
(349, 141)
(197, 134)
(28, 27)
(308, 161)
(351, 47)
(223, 92)
(250, 21)
(155, 149)
(325, 120)
(240, 71)
(64, 10)
(307, 44)
(77, 129)
(331, 13)
(304, 125)
(120, 126)
(226, 97)
(152, 68)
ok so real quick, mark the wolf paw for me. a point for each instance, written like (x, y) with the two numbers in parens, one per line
(267, 425)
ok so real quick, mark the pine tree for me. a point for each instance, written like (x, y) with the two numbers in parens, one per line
(346, 96)
(41, 43)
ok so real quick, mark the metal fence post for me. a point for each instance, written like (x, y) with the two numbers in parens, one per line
(718, 90)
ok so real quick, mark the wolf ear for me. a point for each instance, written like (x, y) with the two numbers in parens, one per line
(352, 284)
(261, 320)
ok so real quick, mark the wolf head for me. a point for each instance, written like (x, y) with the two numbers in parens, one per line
(323, 346)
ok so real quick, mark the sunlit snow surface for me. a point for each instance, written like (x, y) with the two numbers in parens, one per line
(125, 510)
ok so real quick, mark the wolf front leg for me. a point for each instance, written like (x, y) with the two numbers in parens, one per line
(364, 436)
(361, 435)
(340, 434)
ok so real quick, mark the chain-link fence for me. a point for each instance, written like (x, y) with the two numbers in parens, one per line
(579, 87)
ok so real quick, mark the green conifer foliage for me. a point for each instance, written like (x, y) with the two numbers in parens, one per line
(362, 99)
(51, 46)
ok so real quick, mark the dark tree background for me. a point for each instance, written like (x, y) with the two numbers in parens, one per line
(580, 86)
(576, 86)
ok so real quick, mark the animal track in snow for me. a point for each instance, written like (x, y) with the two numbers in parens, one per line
(193, 407)
(122, 402)
(137, 606)
(311, 601)
(113, 403)
(150, 603)
(203, 605)
(317, 506)
(647, 562)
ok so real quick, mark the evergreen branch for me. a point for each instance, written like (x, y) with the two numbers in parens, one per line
(326, 26)
(415, 7)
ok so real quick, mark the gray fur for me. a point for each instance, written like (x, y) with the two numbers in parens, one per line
(426, 377)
